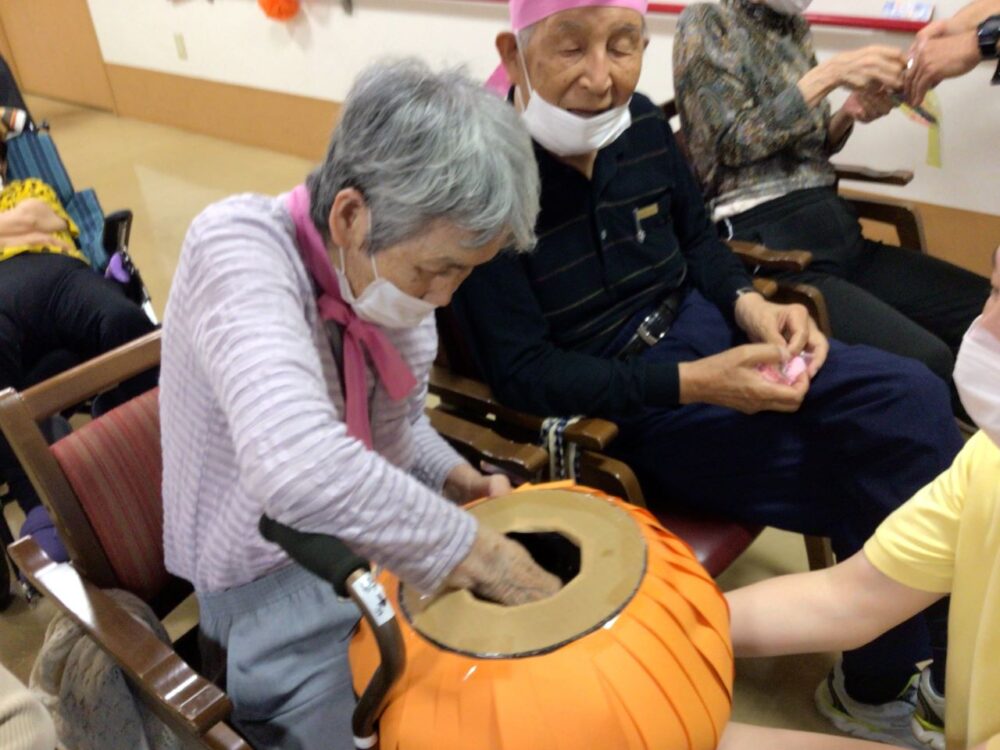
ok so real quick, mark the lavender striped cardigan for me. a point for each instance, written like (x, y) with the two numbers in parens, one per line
(251, 405)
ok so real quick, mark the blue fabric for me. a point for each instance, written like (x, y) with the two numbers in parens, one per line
(35, 155)
(873, 429)
(86, 212)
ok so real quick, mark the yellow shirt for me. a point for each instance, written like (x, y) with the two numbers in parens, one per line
(947, 539)
(20, 190)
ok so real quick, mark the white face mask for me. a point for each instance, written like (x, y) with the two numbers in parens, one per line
(977, 378)
(788, 7)
(566, 134)
(382, 302)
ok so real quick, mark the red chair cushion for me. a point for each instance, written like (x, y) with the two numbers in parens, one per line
(716, 542)
(115, 467)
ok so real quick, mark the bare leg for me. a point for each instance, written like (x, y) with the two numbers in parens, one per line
(747, 737)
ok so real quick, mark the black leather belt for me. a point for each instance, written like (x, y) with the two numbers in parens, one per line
(654, 326)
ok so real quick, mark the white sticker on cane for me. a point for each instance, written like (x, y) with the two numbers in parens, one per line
(371, 593)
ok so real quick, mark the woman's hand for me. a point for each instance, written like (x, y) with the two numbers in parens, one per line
(501, 570)
(868, 105)
(869, 67)
(464, 484)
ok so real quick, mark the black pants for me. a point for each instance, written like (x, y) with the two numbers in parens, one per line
(898, 300)
(55, 309)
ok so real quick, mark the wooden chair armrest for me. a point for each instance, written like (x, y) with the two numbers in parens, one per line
(476, 398)
(477, 442)
(811, 297)
(904, 217)
(867, 174)
(767, 287)
(757, 257)
(178, 694)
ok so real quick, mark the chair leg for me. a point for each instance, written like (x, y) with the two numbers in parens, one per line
(819, 552)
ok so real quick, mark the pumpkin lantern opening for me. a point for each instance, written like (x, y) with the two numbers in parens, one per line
(633, 652)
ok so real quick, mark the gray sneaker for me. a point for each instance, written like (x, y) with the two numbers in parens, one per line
(885, 722)
(928, 717)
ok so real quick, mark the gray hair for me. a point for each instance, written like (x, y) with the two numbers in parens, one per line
(424, 147)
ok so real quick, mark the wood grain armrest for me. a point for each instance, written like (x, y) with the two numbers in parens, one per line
(757, 257)
(475, 397)
(867, 174)
(475, 441)
(178, 694)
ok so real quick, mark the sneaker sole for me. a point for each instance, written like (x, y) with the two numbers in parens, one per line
(826, 704)
(929, 736)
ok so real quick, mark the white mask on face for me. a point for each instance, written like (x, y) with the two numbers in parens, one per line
(382, 302)
(566, 134)
(788, 7)
(977, 378)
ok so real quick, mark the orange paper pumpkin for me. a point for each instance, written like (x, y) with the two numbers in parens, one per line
(280, 10)
(632, 653)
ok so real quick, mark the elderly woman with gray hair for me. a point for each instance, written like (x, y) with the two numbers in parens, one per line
(298, 340)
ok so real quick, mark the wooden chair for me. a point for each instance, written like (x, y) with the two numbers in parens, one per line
(102, 486)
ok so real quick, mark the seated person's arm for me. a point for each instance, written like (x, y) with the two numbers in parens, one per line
(722, 108)
(504, 323)
(32, 222)
(839, 608)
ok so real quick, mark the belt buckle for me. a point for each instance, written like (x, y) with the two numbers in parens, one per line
(645, 334)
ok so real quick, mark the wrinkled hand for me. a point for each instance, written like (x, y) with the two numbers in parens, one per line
(788, 327)
(501, 570)
(936, 58)
(868, 67)
(868, 105)
(731, 379)
(464, 484)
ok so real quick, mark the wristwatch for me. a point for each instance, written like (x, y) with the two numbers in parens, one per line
(988, 34)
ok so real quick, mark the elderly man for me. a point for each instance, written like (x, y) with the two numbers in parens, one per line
(623, 234)
(296, 350)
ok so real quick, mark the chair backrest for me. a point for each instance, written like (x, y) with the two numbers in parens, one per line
(114, 466)
(101, 484)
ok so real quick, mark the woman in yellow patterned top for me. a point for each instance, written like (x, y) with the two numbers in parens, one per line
(51, 300)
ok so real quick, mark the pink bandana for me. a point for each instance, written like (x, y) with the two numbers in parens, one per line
(360, 337)
(525, 13)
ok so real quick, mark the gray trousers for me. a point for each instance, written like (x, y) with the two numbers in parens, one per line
(279, 646)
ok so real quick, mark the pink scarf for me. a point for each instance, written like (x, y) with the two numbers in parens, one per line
(360, 337)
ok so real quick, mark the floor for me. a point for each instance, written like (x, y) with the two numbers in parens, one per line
(166, 177)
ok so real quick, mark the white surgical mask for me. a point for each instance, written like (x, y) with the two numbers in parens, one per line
(566, 134)
(788, 7)
(977, 378)
(382, 302)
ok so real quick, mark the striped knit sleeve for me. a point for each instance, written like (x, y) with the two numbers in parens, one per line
(434, 459)
(294, 456)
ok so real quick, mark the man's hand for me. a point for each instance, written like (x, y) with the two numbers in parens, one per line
(732, 379)
(868, 105)
(786, 326)
(464, 484)
(936, 58)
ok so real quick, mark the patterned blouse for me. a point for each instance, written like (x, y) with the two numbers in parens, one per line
(750, 134)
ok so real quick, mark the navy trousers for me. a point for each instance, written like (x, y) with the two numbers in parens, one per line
(873, 429)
